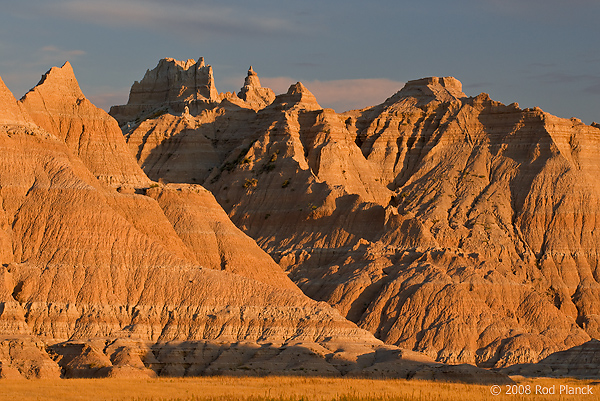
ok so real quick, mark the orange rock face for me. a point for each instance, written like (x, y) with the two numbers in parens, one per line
(452, 225)
(58, 106)
(105, 273)
(172, 84)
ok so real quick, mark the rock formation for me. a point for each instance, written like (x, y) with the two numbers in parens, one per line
(11, 113)
(171, 85)
(452, 225)
(582, 361)
(105, 273)
(58, 106)
(254, 94)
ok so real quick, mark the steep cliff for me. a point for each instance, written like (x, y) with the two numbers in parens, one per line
(105, 273)
(172, 84)
(58, 106)
(452, 225)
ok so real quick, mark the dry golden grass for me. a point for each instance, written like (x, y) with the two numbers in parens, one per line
(275, 388)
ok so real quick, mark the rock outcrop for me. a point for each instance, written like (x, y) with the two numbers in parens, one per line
(58, 106)
(581, 361)
(452, 225)
(11, 113)
(172, 85)
(254, 94)
(105, 273)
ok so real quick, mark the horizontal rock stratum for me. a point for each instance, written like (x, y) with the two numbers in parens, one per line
(455, 226)
(106, 273)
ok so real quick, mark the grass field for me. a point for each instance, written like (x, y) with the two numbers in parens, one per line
(283, 388)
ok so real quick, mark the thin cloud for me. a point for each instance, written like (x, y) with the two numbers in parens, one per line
(591, 83)
(566, 78)
(593, 89)
(306, 64)
(23, 74)
(54, 55)
(550, 11)
(541, 65)
(54, 49)
(477, 85)
(232, 82)
(342, 94)
(184, 17)
(278, 84)
(107, 97)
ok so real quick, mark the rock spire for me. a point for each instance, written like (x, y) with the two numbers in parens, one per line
(253, 93)
(252, 79)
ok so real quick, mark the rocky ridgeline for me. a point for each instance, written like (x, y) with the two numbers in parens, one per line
(106, 273)
(183, 87)
(456, 226)
(172, 84)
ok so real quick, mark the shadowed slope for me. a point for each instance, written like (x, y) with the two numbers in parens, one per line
(112, 280)
(451, 225)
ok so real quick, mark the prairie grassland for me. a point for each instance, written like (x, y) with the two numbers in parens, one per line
(224, 388)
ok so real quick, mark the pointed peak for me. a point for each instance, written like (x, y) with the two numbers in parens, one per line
(67, 67)
(298, 95)
(252, 79)
(10, 112)
(65, 71)
(253, 93)
(298, 87)
(62, 80)
(5, 93)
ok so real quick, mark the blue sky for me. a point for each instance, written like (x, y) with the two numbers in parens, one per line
(350, 54)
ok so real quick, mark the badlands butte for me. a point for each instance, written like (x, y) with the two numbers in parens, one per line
(191, 232)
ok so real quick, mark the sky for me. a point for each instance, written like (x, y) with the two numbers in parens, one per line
(350, 54)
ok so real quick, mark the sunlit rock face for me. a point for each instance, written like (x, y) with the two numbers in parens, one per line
(254, 94)
(106, 273)
(172, 84)
(452, 225)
